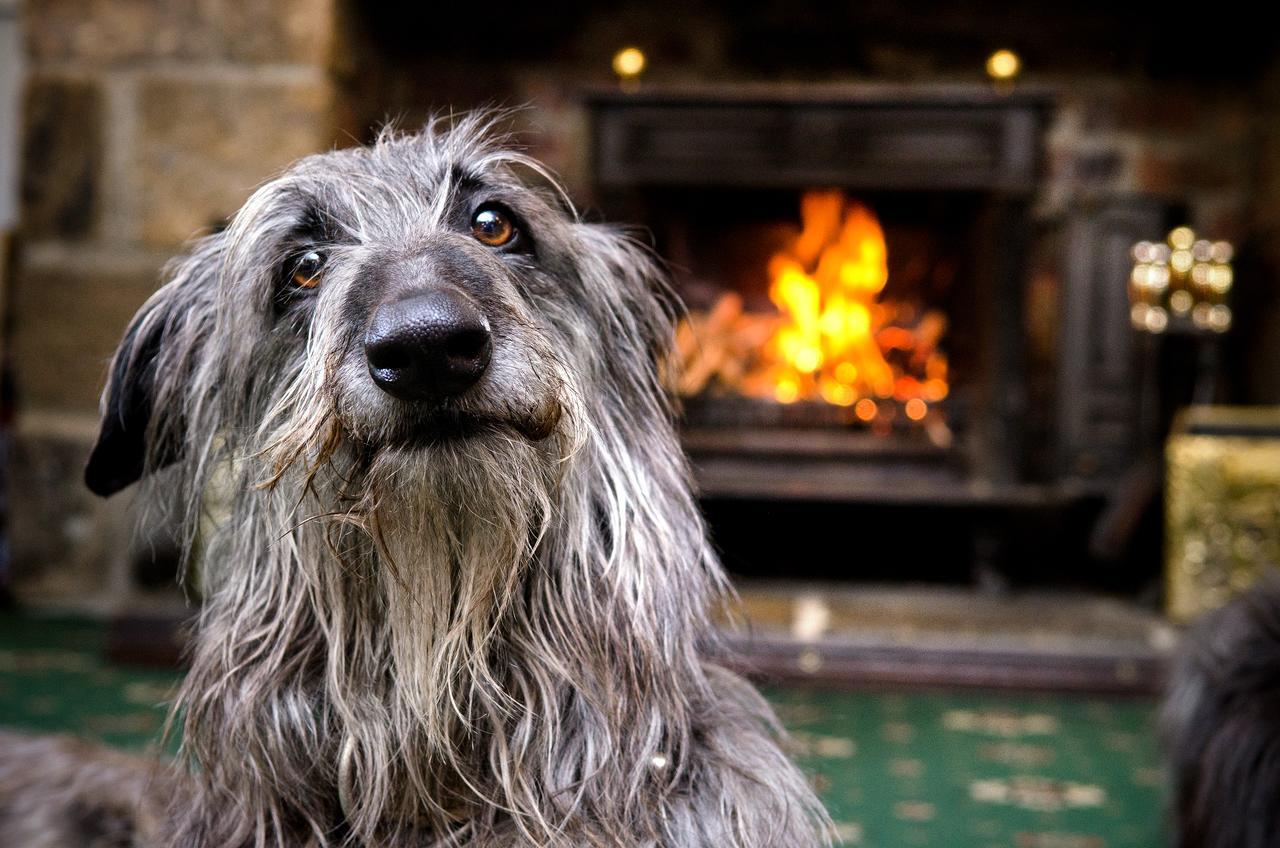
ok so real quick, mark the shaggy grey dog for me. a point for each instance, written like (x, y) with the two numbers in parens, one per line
(459, 595)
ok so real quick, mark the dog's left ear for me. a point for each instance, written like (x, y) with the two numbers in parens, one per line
(135, 438)
(628, 282)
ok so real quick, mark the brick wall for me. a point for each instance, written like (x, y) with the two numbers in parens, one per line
(144, 123)
(1191, 145)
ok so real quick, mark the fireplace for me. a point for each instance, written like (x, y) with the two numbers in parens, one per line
(855, 265)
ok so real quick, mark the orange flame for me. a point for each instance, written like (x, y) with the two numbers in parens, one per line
(834, 331)
(834, 338)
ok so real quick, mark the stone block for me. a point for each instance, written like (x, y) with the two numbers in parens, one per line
(108, 32)
(66, 544)
(62, 156)
(67, 318)
(296, 31)
(204, 145)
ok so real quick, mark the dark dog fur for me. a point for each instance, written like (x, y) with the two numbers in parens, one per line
(1222, 726)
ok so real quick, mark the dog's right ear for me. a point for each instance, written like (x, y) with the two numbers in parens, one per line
(141, 428)
(120, 455)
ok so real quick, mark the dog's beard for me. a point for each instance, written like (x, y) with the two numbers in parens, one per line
(455, 527)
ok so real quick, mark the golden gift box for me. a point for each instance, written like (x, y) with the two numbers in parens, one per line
(1222, 516)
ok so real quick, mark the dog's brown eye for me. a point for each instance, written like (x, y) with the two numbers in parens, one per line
(306, 274)
(493, 227)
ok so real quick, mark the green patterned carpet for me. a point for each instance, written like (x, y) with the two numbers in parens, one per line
(946, 770)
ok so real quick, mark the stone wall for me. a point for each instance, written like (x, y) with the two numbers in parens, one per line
(144, 123)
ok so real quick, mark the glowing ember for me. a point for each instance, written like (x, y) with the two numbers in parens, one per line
(833, 338)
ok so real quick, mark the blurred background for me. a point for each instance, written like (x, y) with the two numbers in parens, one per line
(979, 371)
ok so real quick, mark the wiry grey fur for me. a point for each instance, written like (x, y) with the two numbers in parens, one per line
(499, 638)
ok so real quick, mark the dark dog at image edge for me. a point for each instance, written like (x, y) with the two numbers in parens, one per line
(1222, 725)
(409, 411)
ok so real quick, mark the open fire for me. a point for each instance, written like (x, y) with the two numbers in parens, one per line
(834, 339)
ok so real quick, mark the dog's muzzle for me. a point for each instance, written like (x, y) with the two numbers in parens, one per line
(428, 346)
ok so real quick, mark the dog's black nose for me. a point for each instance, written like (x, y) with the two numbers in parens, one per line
(428, 346)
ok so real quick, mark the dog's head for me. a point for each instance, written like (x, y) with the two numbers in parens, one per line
(419, 295)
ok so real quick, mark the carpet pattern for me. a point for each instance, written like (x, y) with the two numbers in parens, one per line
(934, 769)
